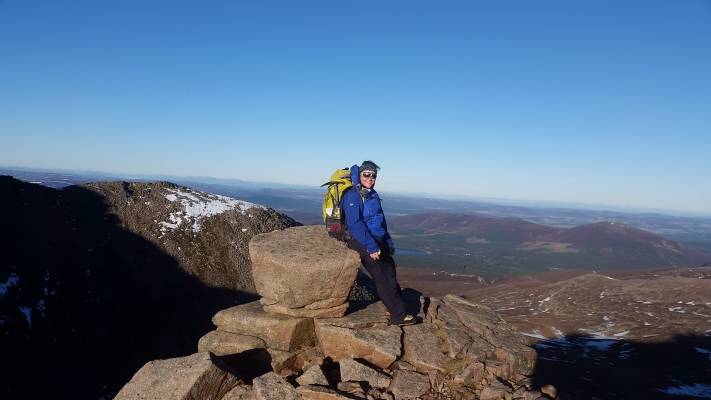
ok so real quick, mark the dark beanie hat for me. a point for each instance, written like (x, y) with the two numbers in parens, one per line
(369, 166)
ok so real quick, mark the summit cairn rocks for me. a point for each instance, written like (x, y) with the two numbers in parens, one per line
(303, 272)
(280, 332)
(461, 350)
(296, 342)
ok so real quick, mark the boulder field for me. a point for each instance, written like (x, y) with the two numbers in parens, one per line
(298, 342)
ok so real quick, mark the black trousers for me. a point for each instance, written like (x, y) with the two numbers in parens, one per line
(383, 273)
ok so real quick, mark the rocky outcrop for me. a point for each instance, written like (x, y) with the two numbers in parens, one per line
(460, 349)
(301, 271)
(185, 378)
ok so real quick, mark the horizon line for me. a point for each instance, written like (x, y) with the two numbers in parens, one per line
(420, 195)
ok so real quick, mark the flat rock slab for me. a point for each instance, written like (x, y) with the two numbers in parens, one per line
(378, 344)
(279, 331)
(409, 384)
(188, 378)
(302, 267)
(330, 312)
(271, 386)
(354, 371)
(422, 348)
(223, 343)
(372, 314)
(311, 392)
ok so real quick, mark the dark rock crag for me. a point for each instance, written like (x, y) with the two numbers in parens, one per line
(98, 279)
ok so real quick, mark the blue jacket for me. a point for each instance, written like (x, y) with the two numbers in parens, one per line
(364, 215)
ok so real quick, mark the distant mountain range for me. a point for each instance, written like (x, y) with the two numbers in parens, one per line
(496, 246)
(543, 229)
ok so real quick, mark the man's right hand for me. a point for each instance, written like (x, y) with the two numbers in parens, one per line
(375, 256)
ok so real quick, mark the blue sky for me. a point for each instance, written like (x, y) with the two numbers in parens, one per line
(602, 102)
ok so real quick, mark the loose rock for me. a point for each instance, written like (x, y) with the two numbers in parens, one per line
(311, 392)
(227, 343)
(550, 391)
(273, 387)
(352, 370)
(313, 376)
(409, 384)
(191, 377)
(239, 392)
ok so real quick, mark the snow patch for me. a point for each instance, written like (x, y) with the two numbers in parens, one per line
(536, 334)
(703, 351)
(27, 311)
(41, 307)
(11, 281)
(700, 390)
(197, 206)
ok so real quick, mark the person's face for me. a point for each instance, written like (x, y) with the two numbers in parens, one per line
(367, 179)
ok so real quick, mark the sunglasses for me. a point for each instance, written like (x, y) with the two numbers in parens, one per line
(368, 175)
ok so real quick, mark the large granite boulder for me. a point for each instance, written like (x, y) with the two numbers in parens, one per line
(301, 271)
(191, 377)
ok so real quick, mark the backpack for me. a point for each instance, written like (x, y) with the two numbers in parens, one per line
(332, 213)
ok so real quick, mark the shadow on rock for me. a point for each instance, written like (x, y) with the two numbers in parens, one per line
(364, 293)
(85, 302)
(585, 367)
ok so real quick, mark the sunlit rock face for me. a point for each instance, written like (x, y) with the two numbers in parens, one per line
(301, 271)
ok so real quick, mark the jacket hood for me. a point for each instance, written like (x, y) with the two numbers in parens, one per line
(355, 175)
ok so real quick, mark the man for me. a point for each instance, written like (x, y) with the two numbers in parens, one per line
(366, 224)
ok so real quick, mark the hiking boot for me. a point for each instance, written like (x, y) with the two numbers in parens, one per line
(406, 320)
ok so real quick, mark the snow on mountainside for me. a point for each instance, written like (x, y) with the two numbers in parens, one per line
(197, 206)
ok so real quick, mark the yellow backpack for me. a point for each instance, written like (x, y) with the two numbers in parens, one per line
(332, 214)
